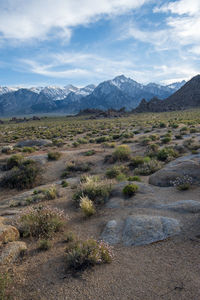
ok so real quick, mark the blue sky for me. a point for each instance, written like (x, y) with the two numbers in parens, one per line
(48, 42)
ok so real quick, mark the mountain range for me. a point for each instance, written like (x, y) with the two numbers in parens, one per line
(188, 96)
(116, 93)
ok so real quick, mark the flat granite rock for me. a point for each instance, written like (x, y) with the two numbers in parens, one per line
(186, 206)
(32, 143)
(115, 203)
(186, 165)
(140, 230)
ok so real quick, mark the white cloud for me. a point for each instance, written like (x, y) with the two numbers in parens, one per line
(180, 29)
(90, 68)
(68, 65)
(180, 7)
(27, 19)
(184, 23)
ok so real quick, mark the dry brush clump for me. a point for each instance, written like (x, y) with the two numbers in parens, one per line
(41, 221)
(87, 206)
(83, 254)
(122, 153)
(96, 189)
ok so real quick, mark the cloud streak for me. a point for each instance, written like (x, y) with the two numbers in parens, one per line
(36, 19)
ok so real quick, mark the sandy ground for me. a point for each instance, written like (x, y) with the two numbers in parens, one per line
(168, 270)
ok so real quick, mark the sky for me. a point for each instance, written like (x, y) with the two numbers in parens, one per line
(58, 42)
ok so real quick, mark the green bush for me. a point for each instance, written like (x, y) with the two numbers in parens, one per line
(116, 171)
(14, 161)
(89, 152)
(134, 178)
(83, 254)
(102, 139)
(54, 155)
(130, 189)
(162, 125)
(166, 154)
(136, 161)
(28, 149)
(148, 167)
(95, 189)
(76, 166)
(64, 183)
(145, 141)
(166, 140)
(26, 175)
(41, 222)
(122, 153)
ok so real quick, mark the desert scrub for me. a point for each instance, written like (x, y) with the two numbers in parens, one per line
(26, 175)
(83, 254)
(28, 149)
(44, 245)
(50, 193)
(14, 161)
(89, 152)
(76, 166)
(167, 154)
(136, 161)
(130, 190)
(94, 188)
(122, 153)
(134, 178)
(69, 237)
(42, 195)
(166, 140)
(64, 183)
(87, 206)
(182, 183)
(145, 141)
(54, 155)
(41, 221)
(116, 171)
(148, 168)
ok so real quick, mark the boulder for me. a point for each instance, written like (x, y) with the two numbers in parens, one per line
(140, 230)
(8, 233)
(12, 251)
(187, 165)
(32, 143)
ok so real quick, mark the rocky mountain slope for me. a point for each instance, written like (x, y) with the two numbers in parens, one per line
(187, 96)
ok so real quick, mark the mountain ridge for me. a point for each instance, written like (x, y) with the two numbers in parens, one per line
(115, 93)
